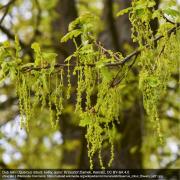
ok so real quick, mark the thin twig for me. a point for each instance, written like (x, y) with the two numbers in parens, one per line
(137, 52)
(119, 63)
(4, 15)
(6, 7)
(98, 44)
(8, 4)
(114, 83)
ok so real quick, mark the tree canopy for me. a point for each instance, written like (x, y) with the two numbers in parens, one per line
(89, 84)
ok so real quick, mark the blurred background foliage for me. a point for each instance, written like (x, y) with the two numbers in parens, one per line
(136, 145)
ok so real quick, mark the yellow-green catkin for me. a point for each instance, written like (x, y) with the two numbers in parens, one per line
(51, 114)
(20, 96)
(141, 30)
(156, 63)
(111, 141)
(58, 96)
(56, 100)
(156, 67)
(23, 92)
(69, 80)
(80, 89)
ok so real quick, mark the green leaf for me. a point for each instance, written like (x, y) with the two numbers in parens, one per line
(4, 67)
(69, 58)
(171, 12)
(4, 71)
(36, 47)
(49, 57)
(6, 44)
(38, 56)
(172, 3)
(124, 11)
(140, 12)
(2, 77)
(18, 61)
(107, 75)
(151, 4)
(153, 81)
(83, 20)
(145, 4)
(71, 35)
(38, 61)
(3, 54)
(156, 14)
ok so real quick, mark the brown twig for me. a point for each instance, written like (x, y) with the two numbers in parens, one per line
(118, 63)
(105, 51)
(8, 4)
(137, 52)
(6, 7)
(114, 82)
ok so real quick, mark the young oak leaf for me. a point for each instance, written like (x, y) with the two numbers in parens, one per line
(71, 35)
